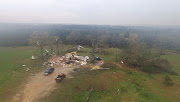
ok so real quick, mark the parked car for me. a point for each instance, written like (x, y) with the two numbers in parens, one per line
(68, 62)
(97, 58)
(48, 71)
(60, 77)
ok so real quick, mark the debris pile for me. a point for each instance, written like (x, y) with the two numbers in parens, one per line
(68, 59)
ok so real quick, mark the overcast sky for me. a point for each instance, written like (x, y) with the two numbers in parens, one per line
(113, 12)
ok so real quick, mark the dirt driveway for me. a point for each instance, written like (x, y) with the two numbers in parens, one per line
(40, 86)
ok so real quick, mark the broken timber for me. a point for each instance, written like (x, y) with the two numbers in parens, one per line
(87, 99)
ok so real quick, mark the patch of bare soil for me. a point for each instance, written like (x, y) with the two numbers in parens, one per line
(40, 86)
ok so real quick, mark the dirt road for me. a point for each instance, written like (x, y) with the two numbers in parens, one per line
(40, 86)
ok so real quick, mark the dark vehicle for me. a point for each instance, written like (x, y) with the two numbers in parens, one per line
(68, 63)
(48, 71)
(60, 77)
(97, 58)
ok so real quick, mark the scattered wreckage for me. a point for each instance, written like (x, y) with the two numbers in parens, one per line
(65, 61)
(69, 58)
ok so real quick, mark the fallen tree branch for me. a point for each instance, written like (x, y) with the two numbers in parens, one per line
(87, 99)
(104, 68)
(100, 68)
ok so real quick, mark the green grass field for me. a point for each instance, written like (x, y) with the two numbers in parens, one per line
(116, 84)
(12, 74)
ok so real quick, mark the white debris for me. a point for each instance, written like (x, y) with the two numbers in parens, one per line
(83, 63)
(47, 51)
(79, 47)
(27, 69)
(23, 65)
(87, 57)
(57, 61)
(33, 57)
(77, 61)
(122, 62)
(37, 43)
(64, 65)
(84, 59)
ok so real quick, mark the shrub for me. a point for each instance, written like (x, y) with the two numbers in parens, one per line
(178, 50)
(148, 69)
(140, 56)
(157, 66)
(161, 65)
(103, 51)
(168, 81)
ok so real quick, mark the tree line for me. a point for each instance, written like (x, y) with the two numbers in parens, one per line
(165, 37)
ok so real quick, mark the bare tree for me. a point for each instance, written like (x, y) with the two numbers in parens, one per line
(57, 43)
(39, 39)
(52, 40)
(95, 42)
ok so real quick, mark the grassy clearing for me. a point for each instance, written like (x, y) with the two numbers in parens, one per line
(12, 74)
(175, 61)
(118, 84)
(170, 94)
(115, 85)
